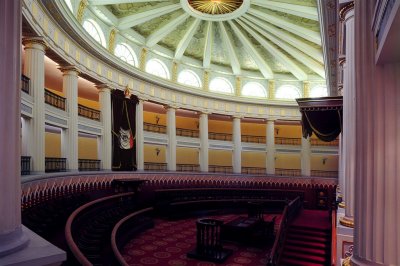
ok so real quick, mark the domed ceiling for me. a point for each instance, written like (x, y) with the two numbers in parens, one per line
(260, 36)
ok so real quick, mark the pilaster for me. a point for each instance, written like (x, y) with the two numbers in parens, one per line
(305, 157)
(105, 118)
(203, 124)
(139, 135)
(171, 133)
(271, 89)
(237, 145)
(271, 147)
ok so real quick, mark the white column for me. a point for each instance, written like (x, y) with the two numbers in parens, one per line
(305, 157)
(171, 132)
(105, 117)
(376, 205)
(27, 141)
(34, 69)
(11, 236)
(341, 167)
(237, 146)
(203, 124)
(270, 147)
(349, 116)
(69, 143)
(139, 136)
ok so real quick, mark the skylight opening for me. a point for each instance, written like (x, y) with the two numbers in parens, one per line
(157, 68)
(95, 31)
(254, 89)
(188, 77)
(126, 54)
(319, 91)
(287, 92)
(221, 85)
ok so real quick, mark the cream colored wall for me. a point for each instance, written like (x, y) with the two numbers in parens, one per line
(187, 122)
(150, 154)
(187, 155)
(218, 126)
(288, 161)
(254, 159)
(220, 157)
(331, 162)
(87, 148)
(149, 117)
(288, 131)
(52, 144)
(254, 129)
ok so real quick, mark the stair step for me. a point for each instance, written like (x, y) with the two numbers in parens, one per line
(310, 229)
(307, 238)
(303, 257)
(306, 250)
(294, 262)
(309, 232)
(299, 243)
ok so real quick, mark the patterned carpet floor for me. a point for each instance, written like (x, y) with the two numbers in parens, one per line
(169, 241)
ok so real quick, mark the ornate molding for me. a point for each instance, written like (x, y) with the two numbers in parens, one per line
(68, 70)
(34, 42)
(111, 40)
(81, 10)
(345, 9)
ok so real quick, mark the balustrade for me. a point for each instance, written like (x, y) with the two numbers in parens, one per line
(220, 136)
(187, 167)
(317, 142)
(287, 141)
(187, 132)
(321, 173)
(87, 112)
(253, 170)
(88, 165)
(155, 166)
(154, 128)
(253, 139)
(53, 164)
(54, 99)
(25, 84)
(220, 169)
(25, 165)
(287, 172)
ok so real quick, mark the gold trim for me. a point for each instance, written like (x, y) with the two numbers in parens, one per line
(142, 60)
(215, 7)
(34, 40)
(347, 261)
(81, 10)
(174, 71)
(65, 69)
(346, 221)
(342, 205)
(111, 40)
(343, 11)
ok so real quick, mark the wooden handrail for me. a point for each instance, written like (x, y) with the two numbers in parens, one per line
(88, 112)
(54, 99)
(114, 245)
(68, 228)
(253, 139)
(287, 141)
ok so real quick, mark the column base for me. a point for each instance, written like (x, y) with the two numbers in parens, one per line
(347, 221)
(12, 242)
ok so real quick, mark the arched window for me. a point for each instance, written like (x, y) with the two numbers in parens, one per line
(287, 92)
(254, 89)
(69, 4)
(94, 30)
(188, 77)
(125, 53)
(158, 68)
(319, 91)
(221, 85)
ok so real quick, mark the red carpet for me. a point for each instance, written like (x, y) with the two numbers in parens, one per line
(308, 240)
(169, 241)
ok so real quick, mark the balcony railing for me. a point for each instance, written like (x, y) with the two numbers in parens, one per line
(317, 142)
(187, 132)
(155, 166)
(25, 84)
(88, 112)
(154, 128)
(25, 165)
(287, 141)
(253, 170)
(54, 99)
(53, 164)
(220, 136)
(321, 173)
(220, 169)
(88, 165)
(253, 139)
(287, 172)
(187, 167)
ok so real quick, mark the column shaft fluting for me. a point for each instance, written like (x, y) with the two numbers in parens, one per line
(270, 147)
(70, 140)
(237, 146)
(171, 132)
(11, 235)
(106, 138)
(139, 136)
(34, 69)
(203, 125)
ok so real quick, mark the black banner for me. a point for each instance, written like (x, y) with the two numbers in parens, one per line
(124, 131)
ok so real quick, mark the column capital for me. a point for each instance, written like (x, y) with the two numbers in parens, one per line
(69, 70)
(237, 116)
(142, 98)
(34, 43)
(171, 106)
(344, 11)
(271, 120)
(103, 87)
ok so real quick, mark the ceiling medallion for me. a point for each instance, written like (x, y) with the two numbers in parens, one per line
(215, 7)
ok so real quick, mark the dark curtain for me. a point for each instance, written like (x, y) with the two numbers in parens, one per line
(321, 116)
(124, 131)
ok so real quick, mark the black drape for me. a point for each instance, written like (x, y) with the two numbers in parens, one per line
(124, 131)
(321, 116)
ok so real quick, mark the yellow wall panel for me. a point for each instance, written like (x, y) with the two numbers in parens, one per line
(288, 161)
(325, 162)
(220, 157)
(187, 155)
(87, 148)
(150, 153)
(254, 159)
(52, 145)
(220, 126)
